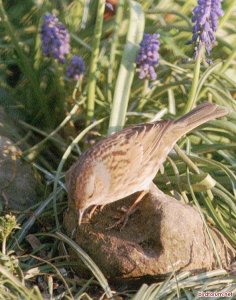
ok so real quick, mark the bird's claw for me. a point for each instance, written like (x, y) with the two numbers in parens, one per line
(120, 224)
(95, 208)
(123, 209)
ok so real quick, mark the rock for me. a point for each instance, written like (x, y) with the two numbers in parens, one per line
(162, 236)
(19, 185)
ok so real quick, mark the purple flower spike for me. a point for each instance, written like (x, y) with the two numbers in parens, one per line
(55, 38)
(148, 56)
(76, 68)
(205, 17)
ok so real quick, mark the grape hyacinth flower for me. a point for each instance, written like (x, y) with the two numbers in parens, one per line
(148, 56)
(55, 38)
(76, 68)
(205, 17)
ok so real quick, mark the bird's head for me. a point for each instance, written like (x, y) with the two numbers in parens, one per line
(87, 185)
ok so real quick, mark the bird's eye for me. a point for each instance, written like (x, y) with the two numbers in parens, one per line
(90, 196)
(90, 187)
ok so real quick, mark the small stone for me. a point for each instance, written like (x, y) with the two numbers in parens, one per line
(162, 236)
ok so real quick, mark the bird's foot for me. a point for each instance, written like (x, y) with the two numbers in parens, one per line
(94, 208)
(121, 223)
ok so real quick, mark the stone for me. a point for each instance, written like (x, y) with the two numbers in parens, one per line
(18, 182)
(161, 237)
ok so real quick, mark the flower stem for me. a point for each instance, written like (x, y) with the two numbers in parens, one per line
(94, 60)
(145, 90)
(192, 95)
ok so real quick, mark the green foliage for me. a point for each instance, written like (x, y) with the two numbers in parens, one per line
(7, 225)
(7, 259)
(201, 171)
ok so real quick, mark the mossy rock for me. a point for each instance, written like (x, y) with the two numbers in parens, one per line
(161, 237)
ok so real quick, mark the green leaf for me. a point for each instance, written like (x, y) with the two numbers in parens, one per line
(127, 68)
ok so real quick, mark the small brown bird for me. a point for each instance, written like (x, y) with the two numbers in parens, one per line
(127, 161)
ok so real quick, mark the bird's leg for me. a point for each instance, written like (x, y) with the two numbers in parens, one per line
(124, 219)
(90, 214)
(100, 208)
(133, 207)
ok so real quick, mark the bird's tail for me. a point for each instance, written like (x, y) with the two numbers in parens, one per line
(198, 116)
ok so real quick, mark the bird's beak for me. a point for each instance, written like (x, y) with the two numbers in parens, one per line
(80, 214)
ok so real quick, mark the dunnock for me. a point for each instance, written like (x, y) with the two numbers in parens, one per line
(127, 161)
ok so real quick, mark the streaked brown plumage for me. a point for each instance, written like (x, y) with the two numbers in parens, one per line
(126, 162)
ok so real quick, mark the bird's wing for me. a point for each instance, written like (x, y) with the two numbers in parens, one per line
(152, 138)
(132, 149)
(126, 154)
